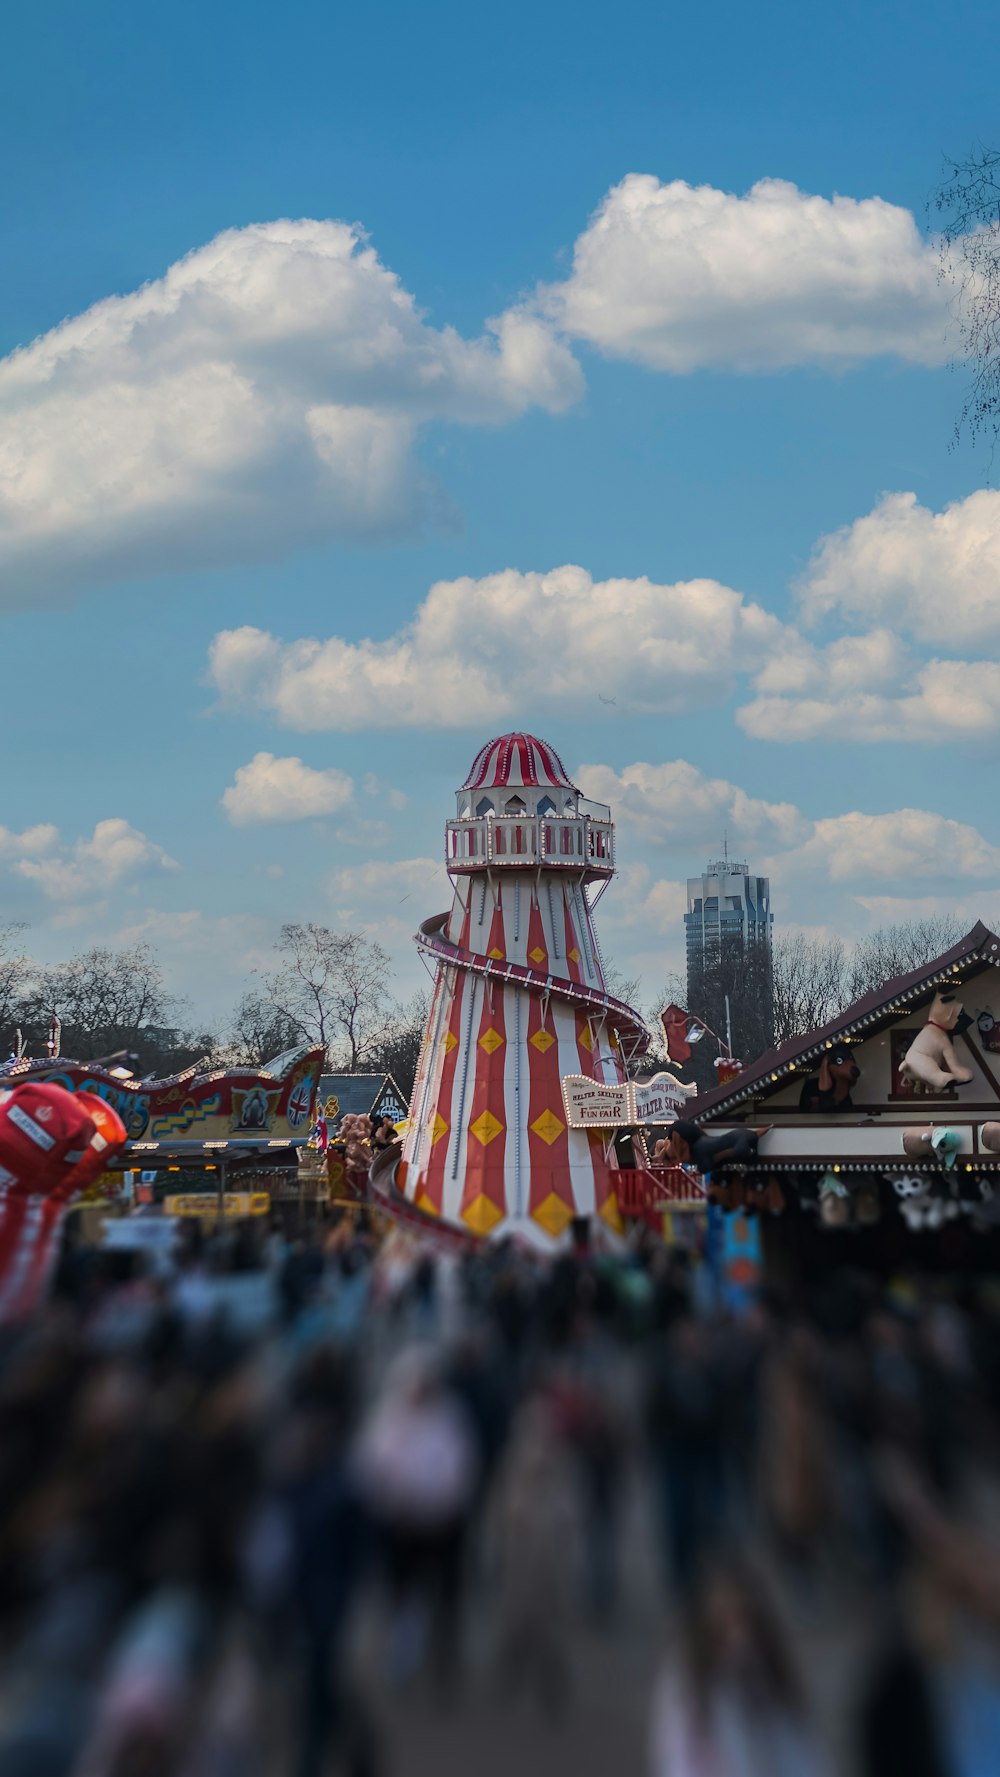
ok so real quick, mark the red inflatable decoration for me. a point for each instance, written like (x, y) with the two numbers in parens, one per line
(53, 1143)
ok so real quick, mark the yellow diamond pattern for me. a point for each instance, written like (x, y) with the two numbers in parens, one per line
(486, 1128)
(574, 955)
(496, 954)
(537, 955)
(585, 1039)
(482, 1215)
(491, 1040)
(553, 1214)
(612, 1214)
(548, 1127)
(424, 1203)
(542, 1041)
(438, 1128)
(449, 1041)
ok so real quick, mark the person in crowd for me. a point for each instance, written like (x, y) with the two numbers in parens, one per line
(537, 1546)
(416, 1463)
(685, 1435)
(729, 1702)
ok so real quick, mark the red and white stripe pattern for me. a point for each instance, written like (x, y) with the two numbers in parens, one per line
(488, 1146)
(518, 761)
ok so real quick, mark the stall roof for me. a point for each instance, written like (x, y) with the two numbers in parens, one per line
(979, 949)
(359, 1094)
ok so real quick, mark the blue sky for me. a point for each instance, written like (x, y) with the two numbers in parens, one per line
(693, 381)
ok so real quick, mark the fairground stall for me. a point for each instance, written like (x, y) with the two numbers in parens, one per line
(234, 1132)
(880, 1131)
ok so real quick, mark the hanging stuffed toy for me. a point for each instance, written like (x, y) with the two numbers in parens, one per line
(834, 1203)
(866, 1204)
(830, 1089)
(355, 1132)
(689, 1145)
(931, 1060)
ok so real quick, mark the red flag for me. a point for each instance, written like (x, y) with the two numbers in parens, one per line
(677, 1028)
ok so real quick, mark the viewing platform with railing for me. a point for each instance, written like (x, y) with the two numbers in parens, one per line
(581, 842)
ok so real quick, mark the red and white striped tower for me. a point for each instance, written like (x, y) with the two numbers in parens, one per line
(519, 1002)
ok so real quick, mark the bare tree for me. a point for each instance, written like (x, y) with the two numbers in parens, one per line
(967, 204)
(105, 999)
(809, 983)
(897, 949)
(16, 972)
(398, 1051)
(333, 987)
(260, 1032)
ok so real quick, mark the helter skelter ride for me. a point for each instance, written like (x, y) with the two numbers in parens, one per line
(520, 1005)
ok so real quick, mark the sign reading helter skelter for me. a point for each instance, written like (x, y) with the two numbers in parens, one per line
(590, 1105)
(520, 1005)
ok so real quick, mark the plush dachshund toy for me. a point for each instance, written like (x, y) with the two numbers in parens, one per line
(830, 1089)
(689, 1145)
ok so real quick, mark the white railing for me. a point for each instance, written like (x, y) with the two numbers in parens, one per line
(572, 842)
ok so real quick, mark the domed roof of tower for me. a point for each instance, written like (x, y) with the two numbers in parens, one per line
(519, 761)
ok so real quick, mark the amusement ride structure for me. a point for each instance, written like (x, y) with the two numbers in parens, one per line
(520, 1004)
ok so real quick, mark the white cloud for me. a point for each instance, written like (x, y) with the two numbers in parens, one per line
(677, 277)
(267, 390)
(208, 958)
(894, 847)
(675, 803)
(34, 842)
(387, 899)
(487, 648)
(115, 853)
(950, 700)
(272, 789)
(934, 575)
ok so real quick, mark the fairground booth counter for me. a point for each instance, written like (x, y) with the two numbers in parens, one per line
(875, 1139)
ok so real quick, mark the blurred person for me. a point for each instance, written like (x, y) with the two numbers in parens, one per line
(685, 1436)
(477, 1378)
(300, 1277)
(228, 1740)
(424, 1295)
(146, 1712)
(954, 1708)
(795, 1455)
(537, 1538)
(418, 1467)
(729, 1702)
(329, 1546)
(591, 1387)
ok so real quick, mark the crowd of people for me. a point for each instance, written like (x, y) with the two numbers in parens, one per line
(231, 1549)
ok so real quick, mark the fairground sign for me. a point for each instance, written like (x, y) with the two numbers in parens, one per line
(591, 1105)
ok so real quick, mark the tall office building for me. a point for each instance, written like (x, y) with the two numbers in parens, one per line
(729, 979)
(725, 902)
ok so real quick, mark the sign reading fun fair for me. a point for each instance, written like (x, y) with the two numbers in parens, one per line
(591, 1105)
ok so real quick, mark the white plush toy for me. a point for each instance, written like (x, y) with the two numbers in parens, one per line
(931, 1057)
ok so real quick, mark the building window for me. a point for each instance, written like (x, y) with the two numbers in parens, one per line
(484, 807)
(514, 805)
